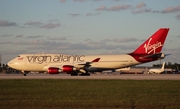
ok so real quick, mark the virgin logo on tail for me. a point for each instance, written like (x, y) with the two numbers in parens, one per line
(153, 44)
(149, 48)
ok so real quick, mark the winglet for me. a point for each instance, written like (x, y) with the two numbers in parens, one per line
(96, 60)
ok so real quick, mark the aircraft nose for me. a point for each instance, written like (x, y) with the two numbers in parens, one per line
(11, 64)
(8, 64)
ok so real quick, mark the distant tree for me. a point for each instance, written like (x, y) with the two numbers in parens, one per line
(169, 65)
(4, 67)
(156, 65)
(0, 68)
(175, 67)
(7, 67)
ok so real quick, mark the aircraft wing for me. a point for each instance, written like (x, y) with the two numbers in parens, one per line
(89, 63)
(69, 68)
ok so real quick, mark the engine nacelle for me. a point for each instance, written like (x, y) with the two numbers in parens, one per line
(65, 68)
(68, 69)
(53, 70)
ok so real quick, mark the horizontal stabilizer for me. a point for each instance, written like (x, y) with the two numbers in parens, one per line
(157, 55)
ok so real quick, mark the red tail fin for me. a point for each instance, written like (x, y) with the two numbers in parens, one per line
(154, 44)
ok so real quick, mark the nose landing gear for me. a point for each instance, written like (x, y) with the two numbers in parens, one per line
(24, 73)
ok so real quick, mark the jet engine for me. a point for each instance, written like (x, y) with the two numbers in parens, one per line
(68, 69)
(65, 68)
(53, 70)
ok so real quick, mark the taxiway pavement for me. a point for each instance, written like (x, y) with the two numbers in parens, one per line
(95, 76)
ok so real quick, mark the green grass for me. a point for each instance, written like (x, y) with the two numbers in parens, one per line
(80, 94)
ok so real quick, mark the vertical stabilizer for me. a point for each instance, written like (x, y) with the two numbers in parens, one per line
(154, 44)
(163, 65)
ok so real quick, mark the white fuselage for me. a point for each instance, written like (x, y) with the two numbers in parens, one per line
(157, 71)
(41, 62)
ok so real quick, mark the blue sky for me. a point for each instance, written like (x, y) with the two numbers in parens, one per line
(86, 26)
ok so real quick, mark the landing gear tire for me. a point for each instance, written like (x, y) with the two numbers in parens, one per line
(85, 74)
(74, 74)
(25, 74)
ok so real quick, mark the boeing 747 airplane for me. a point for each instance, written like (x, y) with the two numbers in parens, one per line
(149, 51)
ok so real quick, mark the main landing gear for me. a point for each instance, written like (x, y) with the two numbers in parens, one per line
(85, 74)
(25, 74)
(75, 73)
(84, 71)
